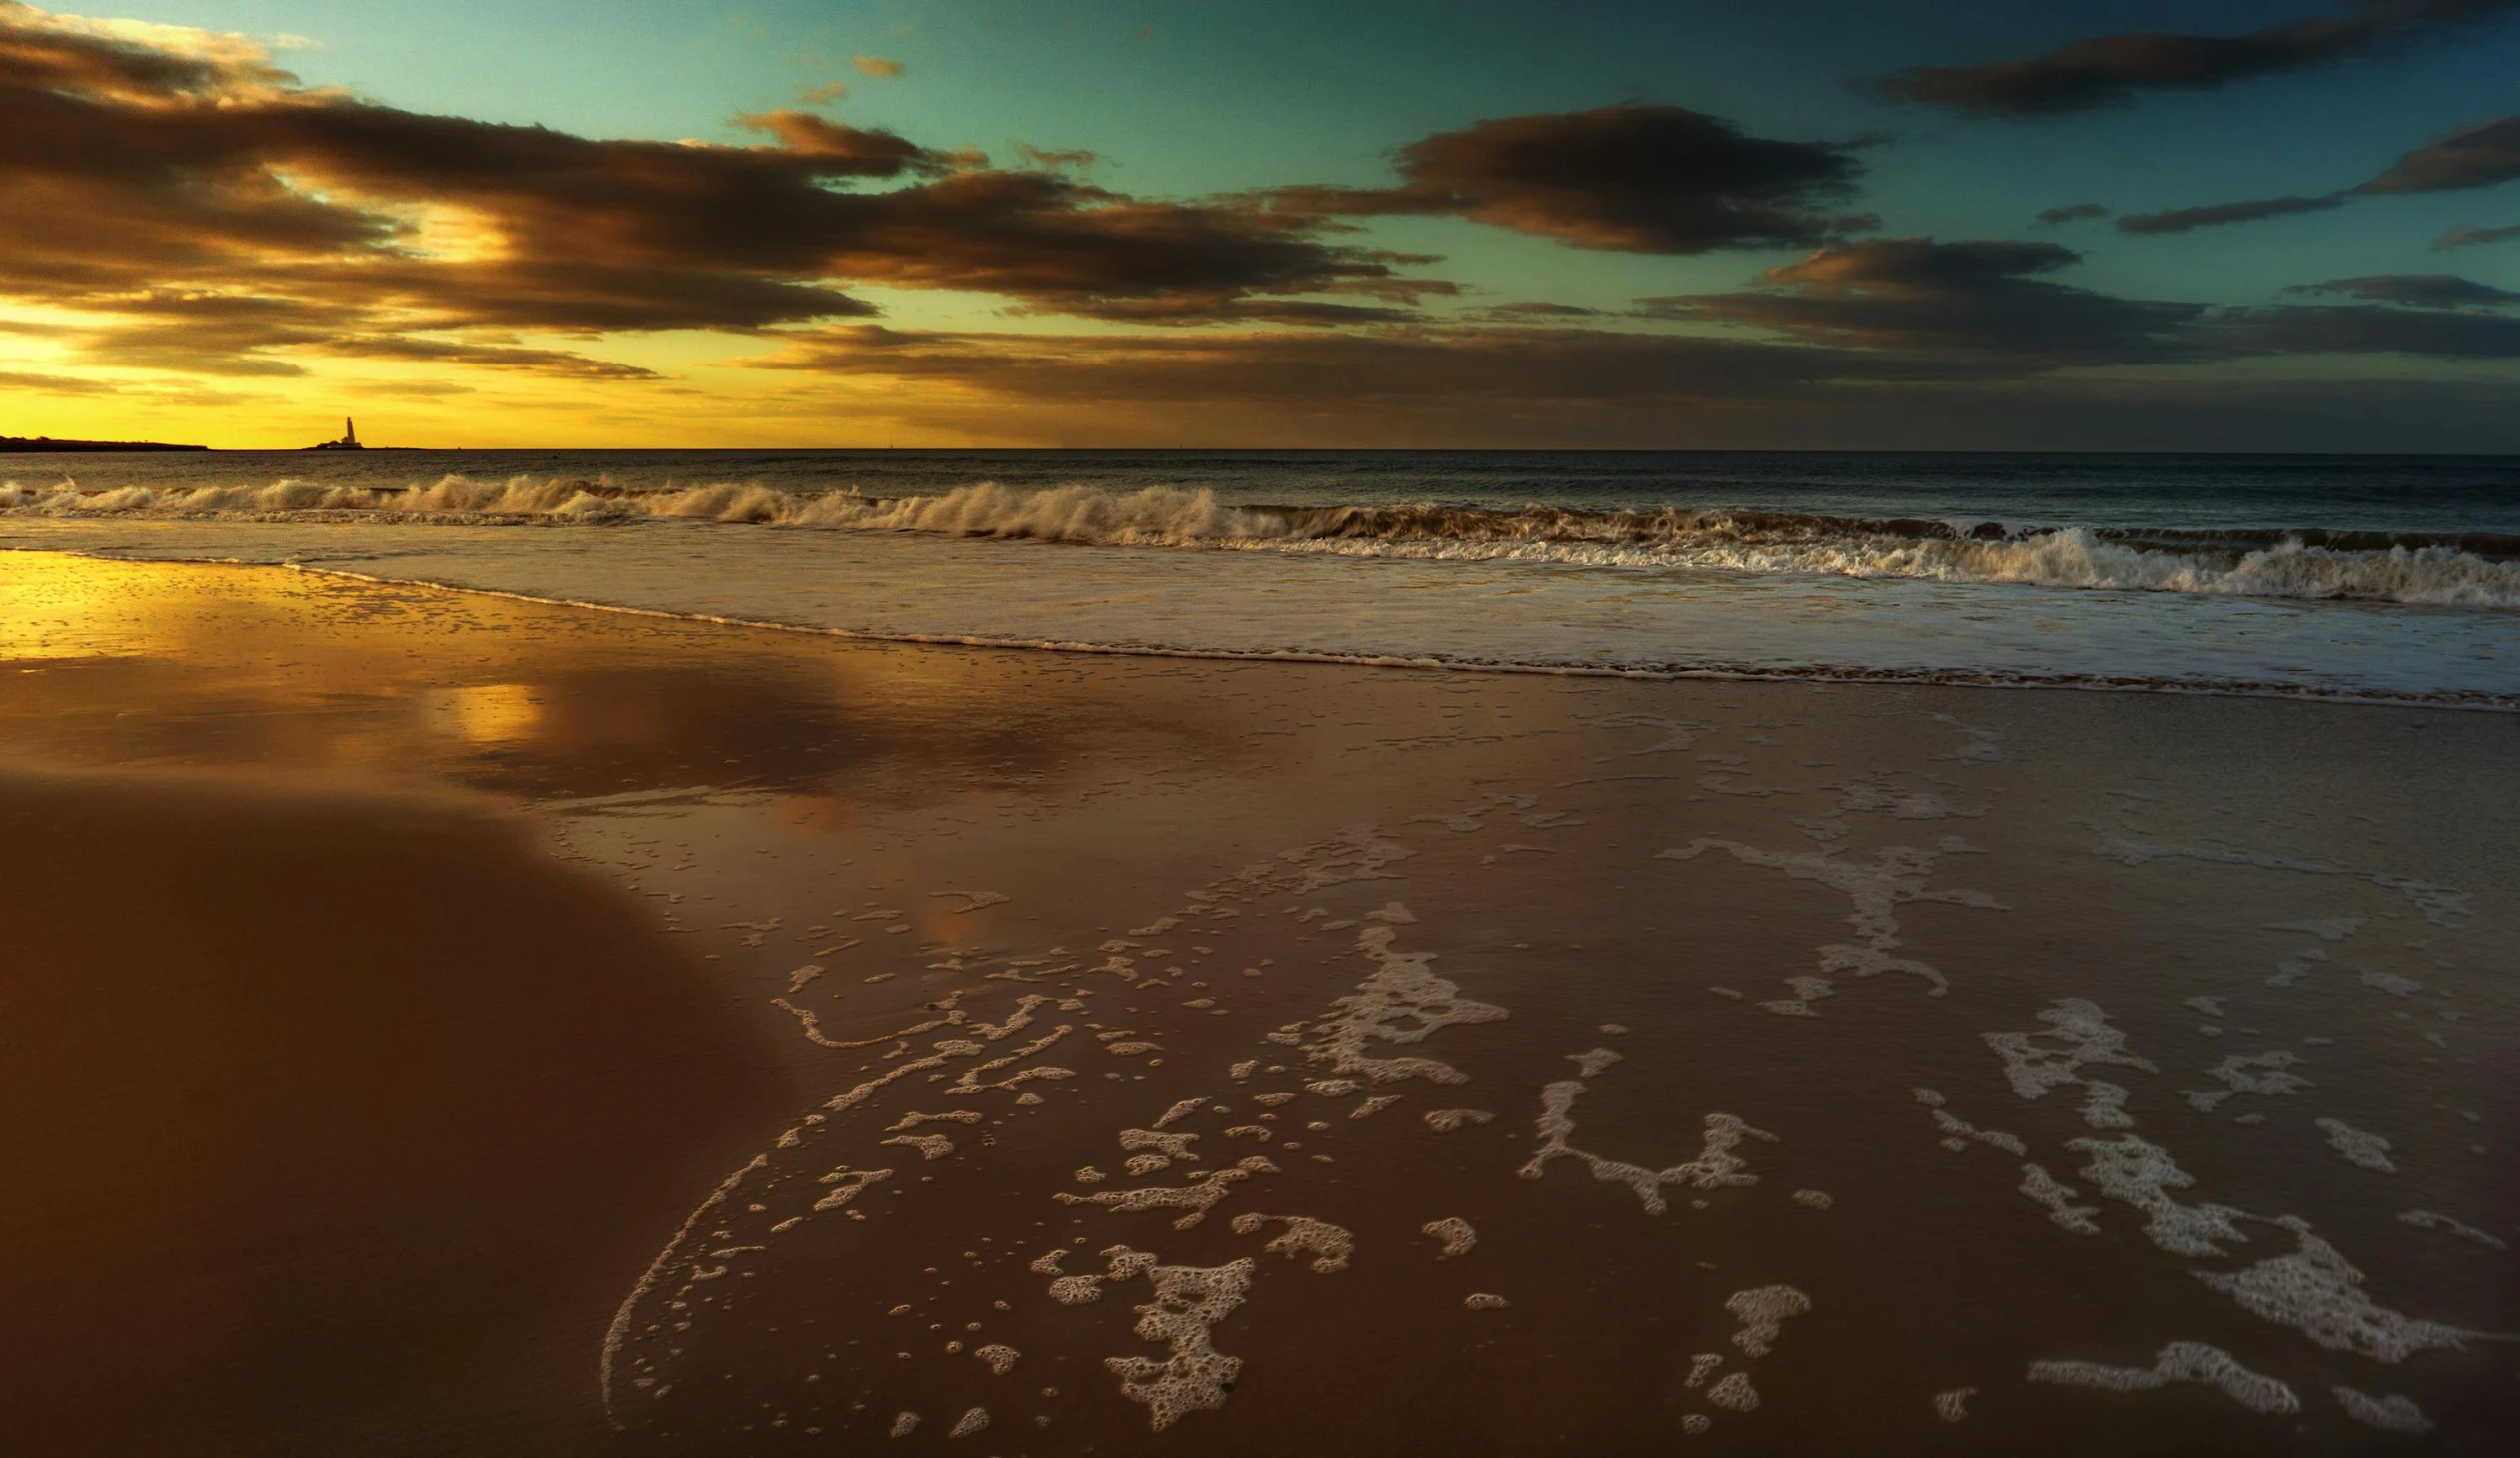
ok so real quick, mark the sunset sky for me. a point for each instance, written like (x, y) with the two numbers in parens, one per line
(2275, 225)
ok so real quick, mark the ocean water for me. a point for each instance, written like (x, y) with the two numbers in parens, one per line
(2393, 578)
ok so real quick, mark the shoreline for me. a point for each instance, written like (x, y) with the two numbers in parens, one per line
(2466, 700)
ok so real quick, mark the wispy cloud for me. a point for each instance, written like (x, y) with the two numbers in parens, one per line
(2187, 220)
(877, 66)
(2469, 236)
(2419, 291)
(2472, 156)
(2113, 68)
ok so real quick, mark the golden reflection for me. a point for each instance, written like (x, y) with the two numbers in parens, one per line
(68, 607)
(484, 713)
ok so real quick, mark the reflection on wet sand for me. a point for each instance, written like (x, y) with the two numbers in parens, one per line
(1133, 1056)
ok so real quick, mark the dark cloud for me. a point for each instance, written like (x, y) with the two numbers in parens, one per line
(1590, 387)
(1040, 157)
(1533, 311)
(2472, 156)
(51, 384)
(1980, 308)
(141, 171)
(2466, 235)
(2367, 329)
(2420, 291)
(1462, 365)
(1964, 299)
(2107, 70)
(2183, 220)
(1636, 179)
(2074, 213)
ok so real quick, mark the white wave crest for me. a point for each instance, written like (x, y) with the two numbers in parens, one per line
(2434, 576)
(1169, 517)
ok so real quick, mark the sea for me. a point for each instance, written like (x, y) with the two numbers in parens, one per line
(2370, 578)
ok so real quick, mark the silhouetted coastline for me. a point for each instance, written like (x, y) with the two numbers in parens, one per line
(11, 444)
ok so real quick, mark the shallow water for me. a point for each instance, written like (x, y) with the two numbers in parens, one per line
(1692, 950)
(2395, 577)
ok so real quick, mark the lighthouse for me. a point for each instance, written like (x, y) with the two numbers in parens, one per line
(349, 440)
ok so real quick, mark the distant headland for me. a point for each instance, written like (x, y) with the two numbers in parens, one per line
(10, 444)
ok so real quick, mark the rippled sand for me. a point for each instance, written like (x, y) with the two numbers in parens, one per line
(1023, 1052)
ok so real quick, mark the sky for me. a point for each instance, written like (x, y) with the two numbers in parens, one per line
(2282, 225)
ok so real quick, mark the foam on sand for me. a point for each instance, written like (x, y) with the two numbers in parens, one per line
(850, 1184)
(2105, 1105)
(1200, 1195)
(2129, 1170)
(2267, 1073)
(2433, 1220)
(1454, 1232)
(1715, 1167)
(1763, 1312)
(1403, 1002)
(1188, 1302)
(2078, 1034)
(1952, 1406)
(2362, 1151)
(2181, 1361)
(1446, 1120)
(1328, 1244)
(1734, 1393)
(2391, 1414)
(1896, 878)
(972, 1421)
(1485, 1302)
(999, 1358)
(1957, 1132)
(2314, 1291)
(2057, 1199)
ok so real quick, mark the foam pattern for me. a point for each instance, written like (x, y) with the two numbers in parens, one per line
(1328, 1244)
(2078, 1034)
(2314, 1291)
(2129, 1170)
(1715, 1167)
(2361, 1150)
(1763, 1312)
(2434, 1220)
(2390, 1414)
(2181, 1361)
(1455, 1234)
(1188, 1302)
(2042, 1190)
(1403, 1002)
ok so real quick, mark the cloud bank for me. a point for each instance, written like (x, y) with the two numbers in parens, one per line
(2111, 70)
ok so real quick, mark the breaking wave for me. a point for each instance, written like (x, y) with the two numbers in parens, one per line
(2471, 571)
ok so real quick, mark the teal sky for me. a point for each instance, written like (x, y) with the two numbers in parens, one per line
(1221, 97)
(1927, 275)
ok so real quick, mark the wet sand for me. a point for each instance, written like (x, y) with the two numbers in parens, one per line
(1728, 1020)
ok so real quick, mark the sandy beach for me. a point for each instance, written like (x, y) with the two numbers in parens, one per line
(471, 1024)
